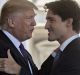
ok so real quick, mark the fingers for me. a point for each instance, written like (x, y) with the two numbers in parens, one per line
(1, 64)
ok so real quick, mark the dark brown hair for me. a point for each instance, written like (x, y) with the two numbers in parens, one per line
(66, 9)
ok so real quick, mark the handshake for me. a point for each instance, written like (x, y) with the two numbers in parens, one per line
(9, 65)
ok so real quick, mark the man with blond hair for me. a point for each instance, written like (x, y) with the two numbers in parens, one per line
(17, 24)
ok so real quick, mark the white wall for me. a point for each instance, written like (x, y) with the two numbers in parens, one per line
(2, 2)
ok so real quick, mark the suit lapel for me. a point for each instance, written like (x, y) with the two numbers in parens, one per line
(14, 52)
(74, 43)
(55, 64)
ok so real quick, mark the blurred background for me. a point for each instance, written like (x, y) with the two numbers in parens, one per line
(38, 46)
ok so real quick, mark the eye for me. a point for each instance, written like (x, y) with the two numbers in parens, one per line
(51, 19)
(28, 17)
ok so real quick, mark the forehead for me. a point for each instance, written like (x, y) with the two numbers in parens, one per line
(50, 14)
(29, 12)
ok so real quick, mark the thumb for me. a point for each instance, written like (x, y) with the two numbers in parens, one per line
(10, 64)
(9, 55)
(10, 58)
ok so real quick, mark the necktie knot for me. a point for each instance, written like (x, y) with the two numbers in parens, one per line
(21, 46)
(58, 53)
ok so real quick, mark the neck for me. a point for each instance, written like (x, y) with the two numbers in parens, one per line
(65, 37)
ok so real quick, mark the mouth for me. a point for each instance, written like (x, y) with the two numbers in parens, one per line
(32, 30)
(49, 32)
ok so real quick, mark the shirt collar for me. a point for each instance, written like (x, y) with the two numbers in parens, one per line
(65, 43)
(14, 40)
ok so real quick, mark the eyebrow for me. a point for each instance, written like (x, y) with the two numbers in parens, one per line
(49, 17)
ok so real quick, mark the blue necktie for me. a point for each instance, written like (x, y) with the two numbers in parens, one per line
(26, 55)
(24, 52)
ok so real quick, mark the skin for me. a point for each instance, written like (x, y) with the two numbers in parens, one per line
(57, 29)
(21, 24)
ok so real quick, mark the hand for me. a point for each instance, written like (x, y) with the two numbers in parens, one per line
(10, 66)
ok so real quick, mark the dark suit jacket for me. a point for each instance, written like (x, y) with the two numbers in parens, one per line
(67, 64)
(6, 44)
(46, 66)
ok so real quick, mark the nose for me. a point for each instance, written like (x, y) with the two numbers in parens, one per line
(46, 25)
(34, 22)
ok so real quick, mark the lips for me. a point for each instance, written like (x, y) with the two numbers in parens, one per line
(32, 30)
(49, 32)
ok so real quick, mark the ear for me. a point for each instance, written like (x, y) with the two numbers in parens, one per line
(69, 22)
(10, 22)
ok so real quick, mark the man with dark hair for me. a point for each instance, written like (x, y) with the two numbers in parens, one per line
(17, 24)
(63, 25)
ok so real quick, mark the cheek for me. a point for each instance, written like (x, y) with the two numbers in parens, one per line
(61, 30)
(24, 25)
(21, 29)
(28, 21)
(27, 25)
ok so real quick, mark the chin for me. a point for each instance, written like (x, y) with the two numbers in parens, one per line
(29, 37)
(50, 39)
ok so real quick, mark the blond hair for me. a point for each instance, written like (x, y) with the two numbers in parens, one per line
(12, 6)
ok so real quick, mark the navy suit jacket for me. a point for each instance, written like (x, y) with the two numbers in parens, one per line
(67, 64)
(6, 44)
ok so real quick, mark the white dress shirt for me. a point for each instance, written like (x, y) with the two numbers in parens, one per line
(14, 40)
(65, 43)
(16, 43)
